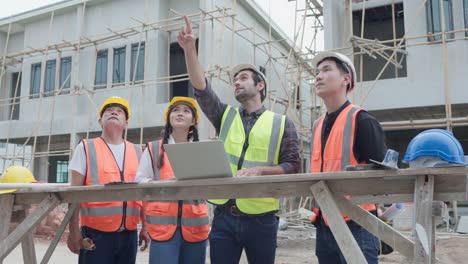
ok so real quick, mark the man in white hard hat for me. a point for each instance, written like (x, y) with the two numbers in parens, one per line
(108, 232)
(345, 135)
(258, 142)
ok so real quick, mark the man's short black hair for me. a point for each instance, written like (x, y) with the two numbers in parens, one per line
(342, 67)
(256, 78)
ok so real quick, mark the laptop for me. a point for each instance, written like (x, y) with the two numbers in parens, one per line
(198, 160)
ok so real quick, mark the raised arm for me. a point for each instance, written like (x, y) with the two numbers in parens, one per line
(186, 40)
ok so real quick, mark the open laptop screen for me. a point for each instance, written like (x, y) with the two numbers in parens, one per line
(198, 160)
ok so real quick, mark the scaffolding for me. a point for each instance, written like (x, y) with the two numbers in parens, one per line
(393, 51)
(297, 75)
(295, 63)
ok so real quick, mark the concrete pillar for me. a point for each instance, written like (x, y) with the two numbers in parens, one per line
(41, 164)
(335, 15)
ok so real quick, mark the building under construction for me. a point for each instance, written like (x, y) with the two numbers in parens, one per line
(61, 61)
(410, 58)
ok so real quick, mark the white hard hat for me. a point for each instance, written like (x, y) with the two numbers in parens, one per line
(343, 58)
(240, 67)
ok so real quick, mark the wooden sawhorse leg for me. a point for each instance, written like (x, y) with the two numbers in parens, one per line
(58, 234)
(376, 227)
(27, 243)
(6, 205)
(343, 236)
(22, 230)
(424, 249)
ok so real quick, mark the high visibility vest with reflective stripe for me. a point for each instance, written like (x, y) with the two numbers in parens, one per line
(162, 216)
(338, 151)
(102, 168)
(264, 141)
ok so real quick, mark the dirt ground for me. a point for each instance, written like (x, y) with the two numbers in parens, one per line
(295, 245)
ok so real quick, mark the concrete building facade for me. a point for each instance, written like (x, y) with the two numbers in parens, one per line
(61, 62)
(431, 46)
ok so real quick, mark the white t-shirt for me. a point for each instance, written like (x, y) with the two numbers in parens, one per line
(145, 168)
(78, 161)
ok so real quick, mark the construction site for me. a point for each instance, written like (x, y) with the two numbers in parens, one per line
(61, 61)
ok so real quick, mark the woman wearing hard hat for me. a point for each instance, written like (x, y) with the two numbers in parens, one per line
(178, 229)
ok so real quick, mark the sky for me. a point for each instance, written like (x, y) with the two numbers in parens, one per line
(18, 6)
(281, 12)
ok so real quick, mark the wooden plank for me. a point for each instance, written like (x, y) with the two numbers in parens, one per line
(242, 187)
(47, 205)
(406, 198)
(343, 236)
(383, 199)
(376, 226)
(29, 251)
(31, 186)
(424, 249)
(27, 243)
(317, 5)
(58, 234)
(386, 175)
(172, 191)
(6, 205)
(254, 187)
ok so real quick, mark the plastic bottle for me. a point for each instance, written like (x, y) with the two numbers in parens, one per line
(392, 211)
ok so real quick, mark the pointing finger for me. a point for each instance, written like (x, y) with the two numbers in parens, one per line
(187, 23)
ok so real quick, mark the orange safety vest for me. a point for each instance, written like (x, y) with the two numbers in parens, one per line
(338, 151)
(102, 168)
(163, 217)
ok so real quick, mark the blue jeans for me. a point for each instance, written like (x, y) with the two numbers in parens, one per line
(111, 247)
(230, 234)
(327, 249)
(176, 250)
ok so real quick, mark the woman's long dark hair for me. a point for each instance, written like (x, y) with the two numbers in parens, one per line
(166, 133)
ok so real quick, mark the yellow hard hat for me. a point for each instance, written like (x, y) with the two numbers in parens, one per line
(16, 174)
(115, 100)
(182, 99)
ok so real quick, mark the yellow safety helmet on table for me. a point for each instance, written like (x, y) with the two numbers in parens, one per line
(16, 174)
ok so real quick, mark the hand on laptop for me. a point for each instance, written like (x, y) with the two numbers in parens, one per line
(255, 171)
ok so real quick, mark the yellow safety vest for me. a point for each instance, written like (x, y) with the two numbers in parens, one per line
(264, 141)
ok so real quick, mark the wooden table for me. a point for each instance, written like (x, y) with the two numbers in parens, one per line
(421, 186)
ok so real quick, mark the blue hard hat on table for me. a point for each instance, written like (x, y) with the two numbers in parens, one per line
(435, 143)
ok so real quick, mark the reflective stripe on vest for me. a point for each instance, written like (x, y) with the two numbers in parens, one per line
(276, 129)
(104, 211)
(314, 128)
(154, 153)
(137, 151)
(161, 220)
(93, 170)
(101, 168)
(172, 220)
(347, 120)
(162, 216)
(267, 131)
